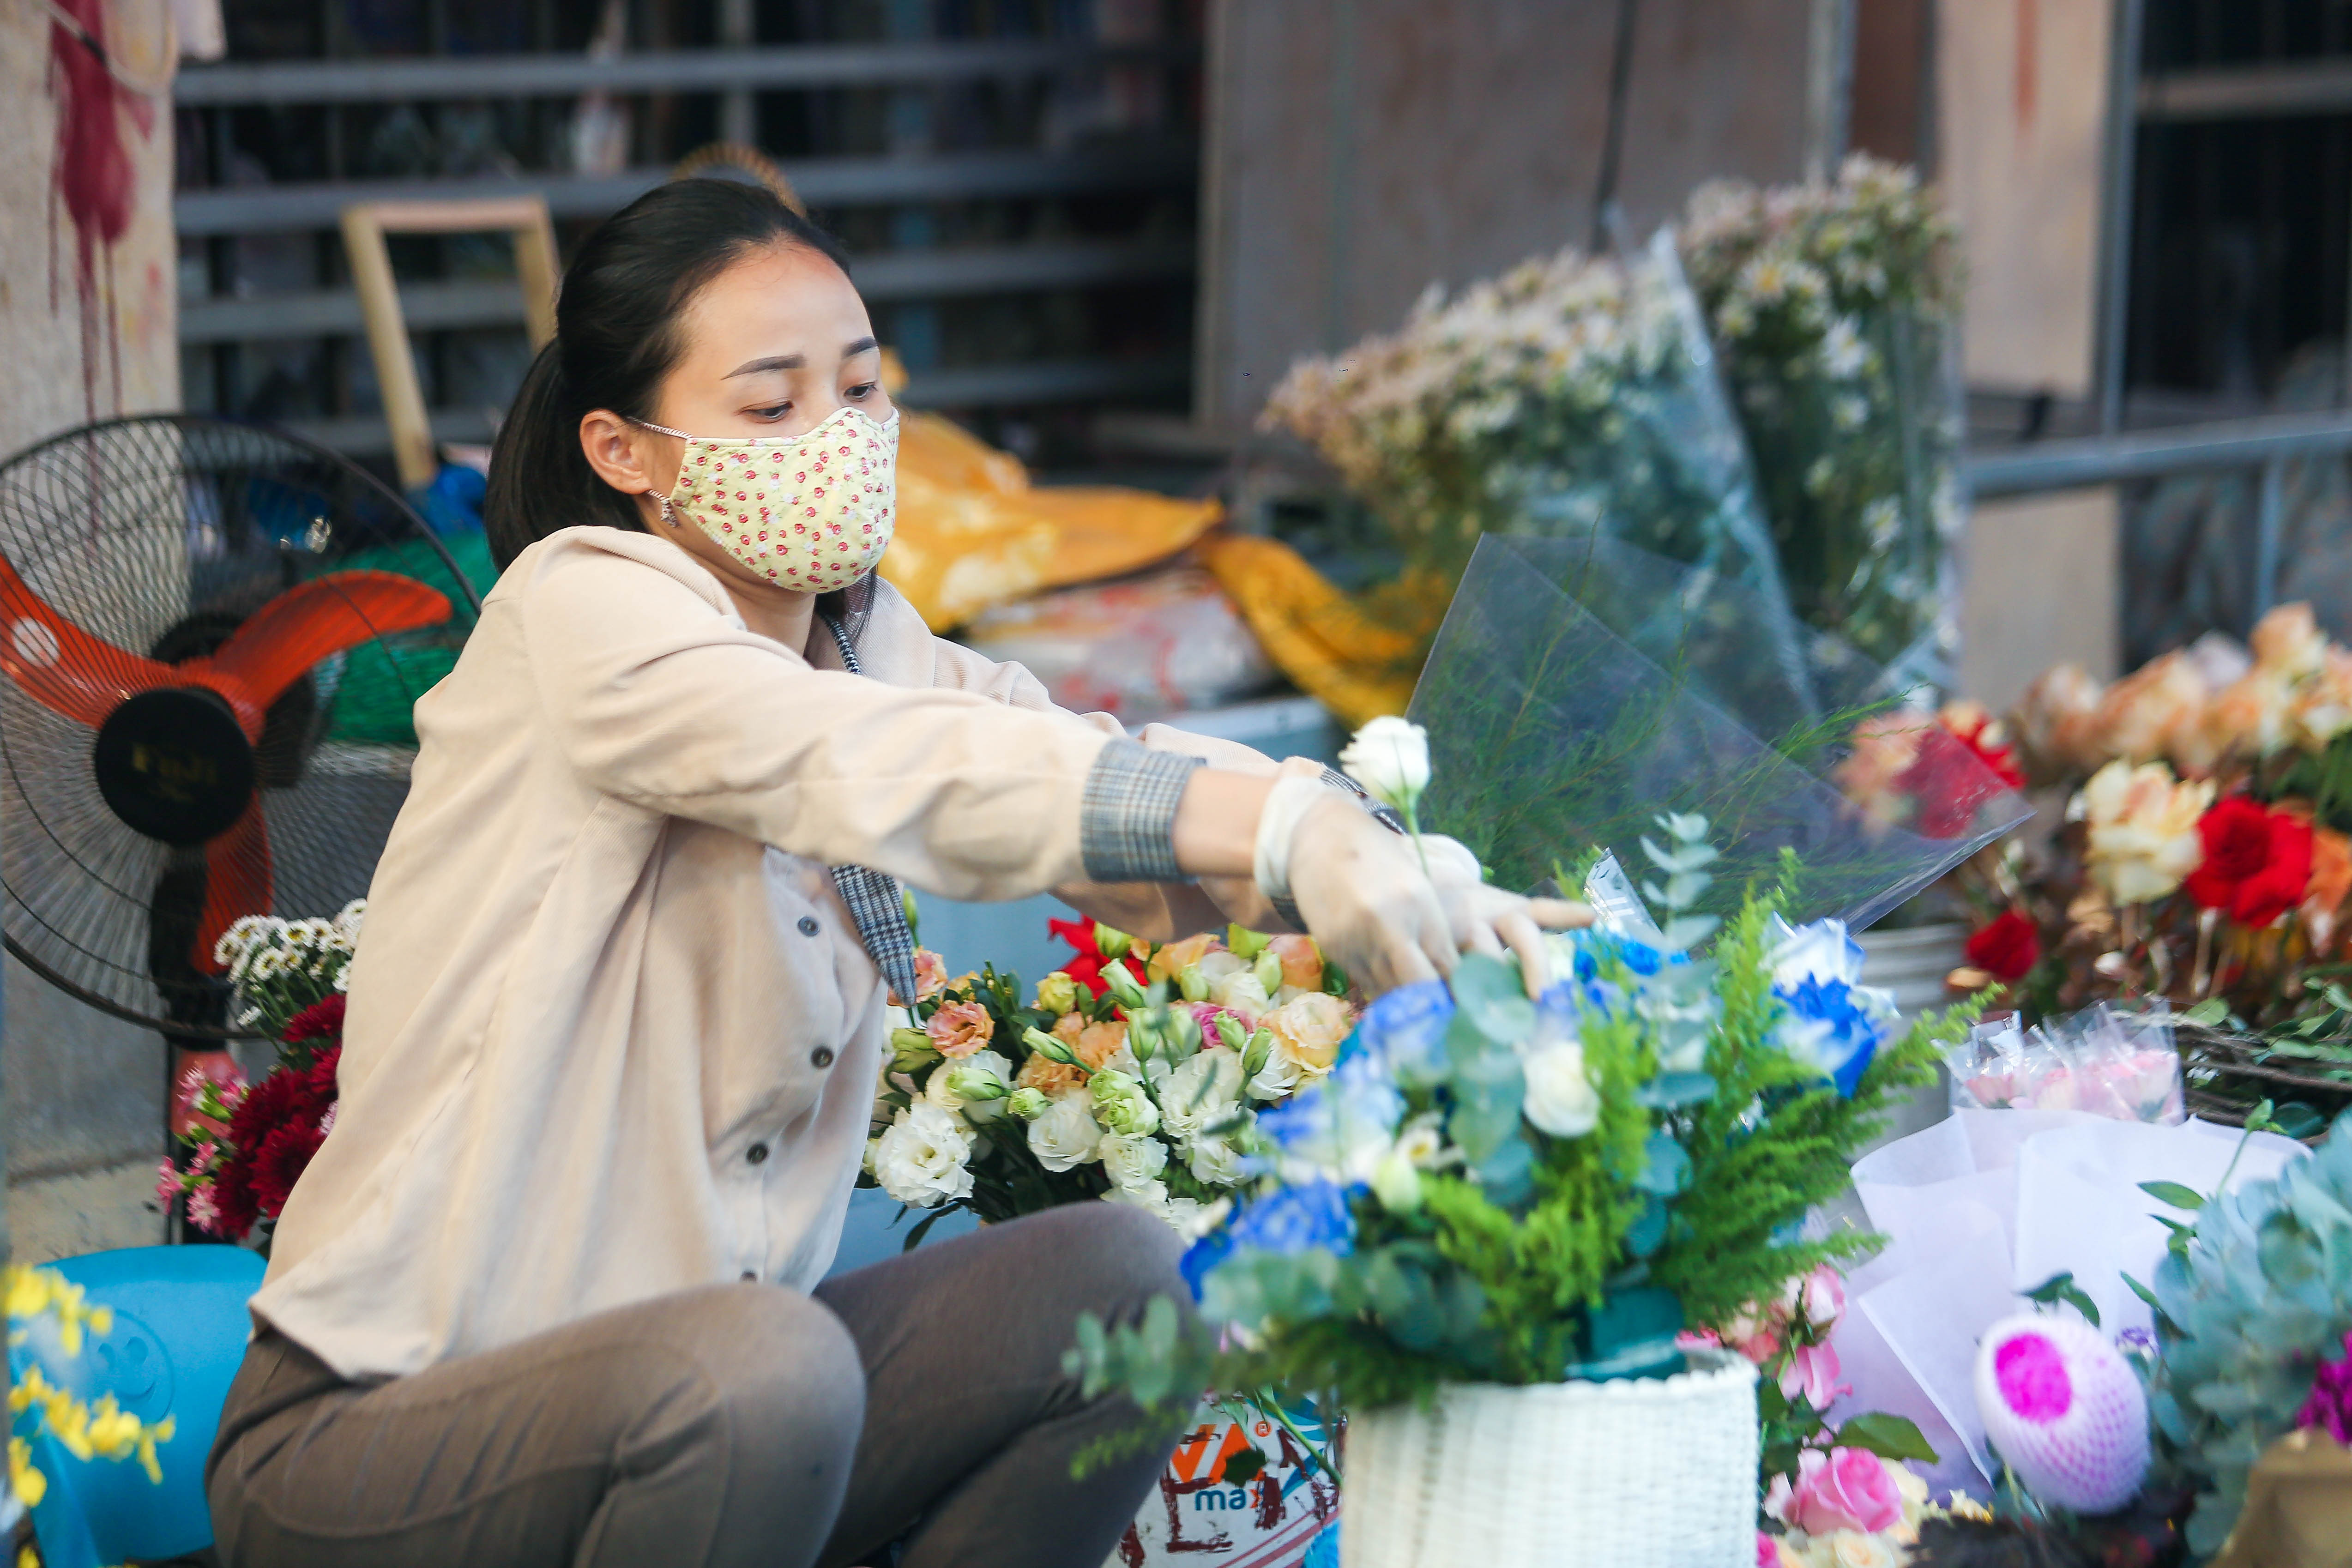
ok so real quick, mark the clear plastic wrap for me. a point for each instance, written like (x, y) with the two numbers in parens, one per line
(1579, 690)
(2112, 1063)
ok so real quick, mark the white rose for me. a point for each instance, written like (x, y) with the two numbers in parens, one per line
(1242, 992)
(1214, 1162)
(919, 1158)
(1202, 1092)
(1560, 1098)
(1152, 1195)
(1065, 1135)
(1389, 757)
(1132, 1160)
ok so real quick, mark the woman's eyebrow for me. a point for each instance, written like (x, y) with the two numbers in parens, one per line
(775, 362)
(863, 345)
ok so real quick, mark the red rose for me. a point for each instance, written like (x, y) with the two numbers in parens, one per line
(280, 1162)
(2257, 861)
(1949, 780)
(320, 1020)
(2008, 948)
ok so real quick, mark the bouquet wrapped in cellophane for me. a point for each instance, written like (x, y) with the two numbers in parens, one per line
(1835, 306)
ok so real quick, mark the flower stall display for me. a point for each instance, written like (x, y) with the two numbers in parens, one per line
(1835, 306)
(1485, 1233)
(2204, 857)
(247, 1144)
(1132, 1075)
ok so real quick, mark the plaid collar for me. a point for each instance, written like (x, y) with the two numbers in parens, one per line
(874, 899)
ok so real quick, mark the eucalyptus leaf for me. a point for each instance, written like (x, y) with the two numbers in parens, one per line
(2176, 1195)
(1491, 995)
(1671, 1091)
(1665, 1169)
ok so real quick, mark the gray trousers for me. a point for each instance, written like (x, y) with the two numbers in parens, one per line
(920, 1399)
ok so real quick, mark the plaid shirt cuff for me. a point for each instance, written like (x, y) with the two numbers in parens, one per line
(1127, 821)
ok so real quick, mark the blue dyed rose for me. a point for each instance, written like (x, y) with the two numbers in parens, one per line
(1202, 1257)
(1340, 1130)
(1405, 1030)
(1312, 1215)
(1831, 1022)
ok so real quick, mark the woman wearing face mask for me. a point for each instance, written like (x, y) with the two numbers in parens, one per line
(550, 1292)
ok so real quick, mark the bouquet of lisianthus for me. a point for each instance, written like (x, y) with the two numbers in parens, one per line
(1834, 305)
(1133, 1075)
(247, 1144)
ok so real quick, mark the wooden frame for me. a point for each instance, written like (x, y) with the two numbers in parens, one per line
(364, 226)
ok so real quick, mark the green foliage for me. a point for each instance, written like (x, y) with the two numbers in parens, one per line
(2249, 1300)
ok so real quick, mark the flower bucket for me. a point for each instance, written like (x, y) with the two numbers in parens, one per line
(1636, 1473)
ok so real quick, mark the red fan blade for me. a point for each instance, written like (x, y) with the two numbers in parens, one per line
(236, 884)
(305, 624)
(61, 666)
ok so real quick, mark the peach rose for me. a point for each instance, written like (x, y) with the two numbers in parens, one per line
(1302, 961)
(2147, 712)
(959, 1029)
(2288, 643)
(2143, 829)
(1884, 747)
(1170, 958)
(1048, 1075)
(2253, 716)
(1308, 1030)
(1098, 1043)
(2331, 883)
(2323, 705)
(2056, 722)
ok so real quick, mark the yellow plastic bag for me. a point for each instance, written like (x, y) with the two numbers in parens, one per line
(973, 534)
(1360, 653)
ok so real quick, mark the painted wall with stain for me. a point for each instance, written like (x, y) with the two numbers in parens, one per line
(89, 323)
(88, 329)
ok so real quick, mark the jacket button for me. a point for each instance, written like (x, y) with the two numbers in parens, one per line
(756, 1152)
(820, 1057)
(808, 925)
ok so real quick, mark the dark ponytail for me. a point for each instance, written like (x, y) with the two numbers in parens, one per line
(615, 337)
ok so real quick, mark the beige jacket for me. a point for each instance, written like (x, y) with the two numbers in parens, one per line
(612, 1033)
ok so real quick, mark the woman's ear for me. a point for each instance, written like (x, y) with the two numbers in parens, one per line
(616, 450)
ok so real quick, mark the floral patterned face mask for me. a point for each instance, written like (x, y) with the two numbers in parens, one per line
(811, 512)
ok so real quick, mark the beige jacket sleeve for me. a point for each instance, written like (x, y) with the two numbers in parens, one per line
(658, 697)
(1156, 911)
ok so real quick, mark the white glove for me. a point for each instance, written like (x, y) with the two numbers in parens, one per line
(1482, 918)
(1362, 893)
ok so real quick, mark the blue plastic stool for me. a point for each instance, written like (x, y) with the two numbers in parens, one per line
(178, 1335)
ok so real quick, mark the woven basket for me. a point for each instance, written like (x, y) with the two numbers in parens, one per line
(1642, 1473)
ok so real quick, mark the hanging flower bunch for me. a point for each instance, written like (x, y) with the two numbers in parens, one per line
(247, 1144)
(1133, 1075)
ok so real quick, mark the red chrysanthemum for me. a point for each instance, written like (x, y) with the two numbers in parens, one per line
(2007, 948)
(280, 1162)
(2257, 861)
(285, 1096)
(320, 1020)
(234, 1212)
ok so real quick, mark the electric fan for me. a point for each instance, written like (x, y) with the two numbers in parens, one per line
(211, 634)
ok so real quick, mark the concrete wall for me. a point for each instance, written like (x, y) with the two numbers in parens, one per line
(1360, 150)
(88, 329)
(2021, 101)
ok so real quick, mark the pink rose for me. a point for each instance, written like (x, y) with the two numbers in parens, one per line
(1823, 1298)
(959, 1029)
(1845, 1489)
(1811, 1376)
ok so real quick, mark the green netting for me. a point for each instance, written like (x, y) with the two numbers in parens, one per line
(381, 680)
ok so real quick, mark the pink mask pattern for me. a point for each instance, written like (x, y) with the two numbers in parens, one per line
(811, 512)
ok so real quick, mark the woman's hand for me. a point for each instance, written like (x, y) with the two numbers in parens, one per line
(1389, 920)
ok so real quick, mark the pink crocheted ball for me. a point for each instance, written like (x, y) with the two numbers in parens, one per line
(2065, 1410)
